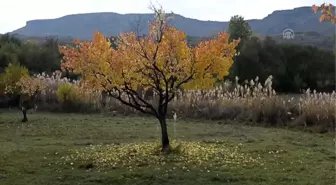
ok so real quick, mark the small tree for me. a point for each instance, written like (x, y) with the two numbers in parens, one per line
(9, 79)
(30, 88)
(328, 12)
(161, 61)
(239, 28)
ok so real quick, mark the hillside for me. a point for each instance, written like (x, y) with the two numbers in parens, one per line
(81, 26)
(310, 38)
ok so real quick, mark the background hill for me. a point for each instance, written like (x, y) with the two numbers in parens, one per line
(302, 20)
(82, 25)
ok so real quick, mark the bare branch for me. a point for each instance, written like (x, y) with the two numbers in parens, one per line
(137, 26)
(134, 99)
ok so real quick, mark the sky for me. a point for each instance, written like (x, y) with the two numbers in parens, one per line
(15, 13)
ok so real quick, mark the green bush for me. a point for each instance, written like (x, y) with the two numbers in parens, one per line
(66, 93)
(71, 99)
(8, 81)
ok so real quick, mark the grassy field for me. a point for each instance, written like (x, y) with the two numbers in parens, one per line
(71, 149)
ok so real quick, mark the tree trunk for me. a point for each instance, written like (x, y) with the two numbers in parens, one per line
(104, 98)
(24, 112)
(164, 136)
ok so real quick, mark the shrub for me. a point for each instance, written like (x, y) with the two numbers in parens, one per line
(66, 92)
(13, 74)
(68, 97)
(74, 97)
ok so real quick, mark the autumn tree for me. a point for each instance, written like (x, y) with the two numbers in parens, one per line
(160, 60)
(30, 87)
(21, 88)
(9, 79)
(328, 12)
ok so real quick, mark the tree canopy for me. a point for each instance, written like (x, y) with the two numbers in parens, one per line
(239, 28)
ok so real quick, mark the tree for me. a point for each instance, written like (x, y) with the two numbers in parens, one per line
(30, 88)
(12, 75)
(247, 65)
(239, 29)
(334, 39)
(37, 57)
(160, 60)
(22, 89)
(328, 12)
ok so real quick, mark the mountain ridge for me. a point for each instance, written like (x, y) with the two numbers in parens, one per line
(300, 19)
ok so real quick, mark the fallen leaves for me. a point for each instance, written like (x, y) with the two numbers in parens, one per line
(147, 154)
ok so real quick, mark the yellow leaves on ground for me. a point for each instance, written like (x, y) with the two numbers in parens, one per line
(184, 154)
(150, 61)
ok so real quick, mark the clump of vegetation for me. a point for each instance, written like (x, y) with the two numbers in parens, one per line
(66, 92)
(75, 97)
(10, 78)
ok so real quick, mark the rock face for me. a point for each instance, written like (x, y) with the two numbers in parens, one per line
(81, 26)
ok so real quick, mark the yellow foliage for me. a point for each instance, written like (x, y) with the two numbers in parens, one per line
(11, 77)
(30, 86)
(66, 92)
(161, 59)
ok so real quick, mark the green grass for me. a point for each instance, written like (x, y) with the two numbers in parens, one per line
(72, 149)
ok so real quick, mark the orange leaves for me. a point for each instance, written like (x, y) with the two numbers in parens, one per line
(161, 54)
(327, 12)
(90, 59)
(315, 8)
(86, 54)
(159, 58)
(214, 57)
(174, 56)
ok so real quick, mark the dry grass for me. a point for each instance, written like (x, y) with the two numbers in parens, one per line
(252, 102)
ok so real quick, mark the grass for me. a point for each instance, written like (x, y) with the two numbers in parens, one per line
(71, 149)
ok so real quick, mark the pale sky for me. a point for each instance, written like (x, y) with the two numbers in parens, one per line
(15, 13)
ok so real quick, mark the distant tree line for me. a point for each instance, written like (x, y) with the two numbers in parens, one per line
(294, 67)
(37, 57)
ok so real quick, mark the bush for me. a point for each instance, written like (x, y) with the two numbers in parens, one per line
(74, 98)
(11, 77)
(68, 96)
(66, 92)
